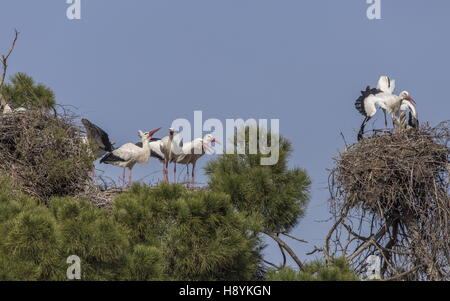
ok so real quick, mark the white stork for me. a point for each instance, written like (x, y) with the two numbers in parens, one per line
(193, 150)
(413, 122)
(129, 154)
(381, 97)
(4, 105)
(169, 147)
(155, 149)
(6, 108)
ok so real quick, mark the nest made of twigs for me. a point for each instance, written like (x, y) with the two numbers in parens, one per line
(395, 171)
(390, 195)
(43, 154)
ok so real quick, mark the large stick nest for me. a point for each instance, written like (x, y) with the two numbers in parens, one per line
(43, 154)
(395, 173)
(390, 195)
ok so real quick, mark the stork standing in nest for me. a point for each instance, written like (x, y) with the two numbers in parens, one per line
(155, 145)
(192, 151)
(6, 108)
(170, 147)
(383, 97)
(130, 154)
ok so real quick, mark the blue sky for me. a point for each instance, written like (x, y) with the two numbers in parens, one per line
(130, 65)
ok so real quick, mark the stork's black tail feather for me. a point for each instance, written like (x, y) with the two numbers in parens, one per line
(359, 104)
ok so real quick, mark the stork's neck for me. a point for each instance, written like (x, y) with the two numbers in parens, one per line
(145, 144)
(198, 146)
(410, 106)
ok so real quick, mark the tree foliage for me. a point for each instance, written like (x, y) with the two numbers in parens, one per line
(164, 233)
(278, 194)
(338, 270)
(22, 91)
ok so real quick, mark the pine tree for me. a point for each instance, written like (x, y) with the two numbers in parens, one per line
(199, 233)
(22, 91)
(164, 233)
(276, 194)
(338, 270)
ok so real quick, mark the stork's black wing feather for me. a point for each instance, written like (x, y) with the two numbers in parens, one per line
(110, 157)
(412, 121)
(359, 104)
(156, 155)
(97, 135)
(152, 153)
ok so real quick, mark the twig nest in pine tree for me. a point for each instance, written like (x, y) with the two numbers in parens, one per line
(403, 172)
(43, 154)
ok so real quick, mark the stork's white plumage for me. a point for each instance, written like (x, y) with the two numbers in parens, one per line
(155, 149)
(130, 154)
(4, 105)
(6, 108)
(386, 84)
(381, 97)
(193, 150)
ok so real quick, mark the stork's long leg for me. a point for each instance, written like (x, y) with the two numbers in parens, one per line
(193, 174)
(166, 170)
(385, 118)
(363, 125)
(130, 177)
(175, 172)
(187, 173)
(163, 171)
(123, 176)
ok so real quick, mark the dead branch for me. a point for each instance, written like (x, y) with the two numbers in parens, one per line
(287, 248)
(4, 58)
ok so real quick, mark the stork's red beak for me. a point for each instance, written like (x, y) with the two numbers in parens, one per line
(151, 133)
(216, 141)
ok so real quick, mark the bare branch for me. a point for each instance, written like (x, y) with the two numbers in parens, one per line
(4, 58)
(287, 248)
(271, 264)
(293, 237)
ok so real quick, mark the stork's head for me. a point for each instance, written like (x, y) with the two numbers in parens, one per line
(210, 138)
(405, 96)
(147, 135)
